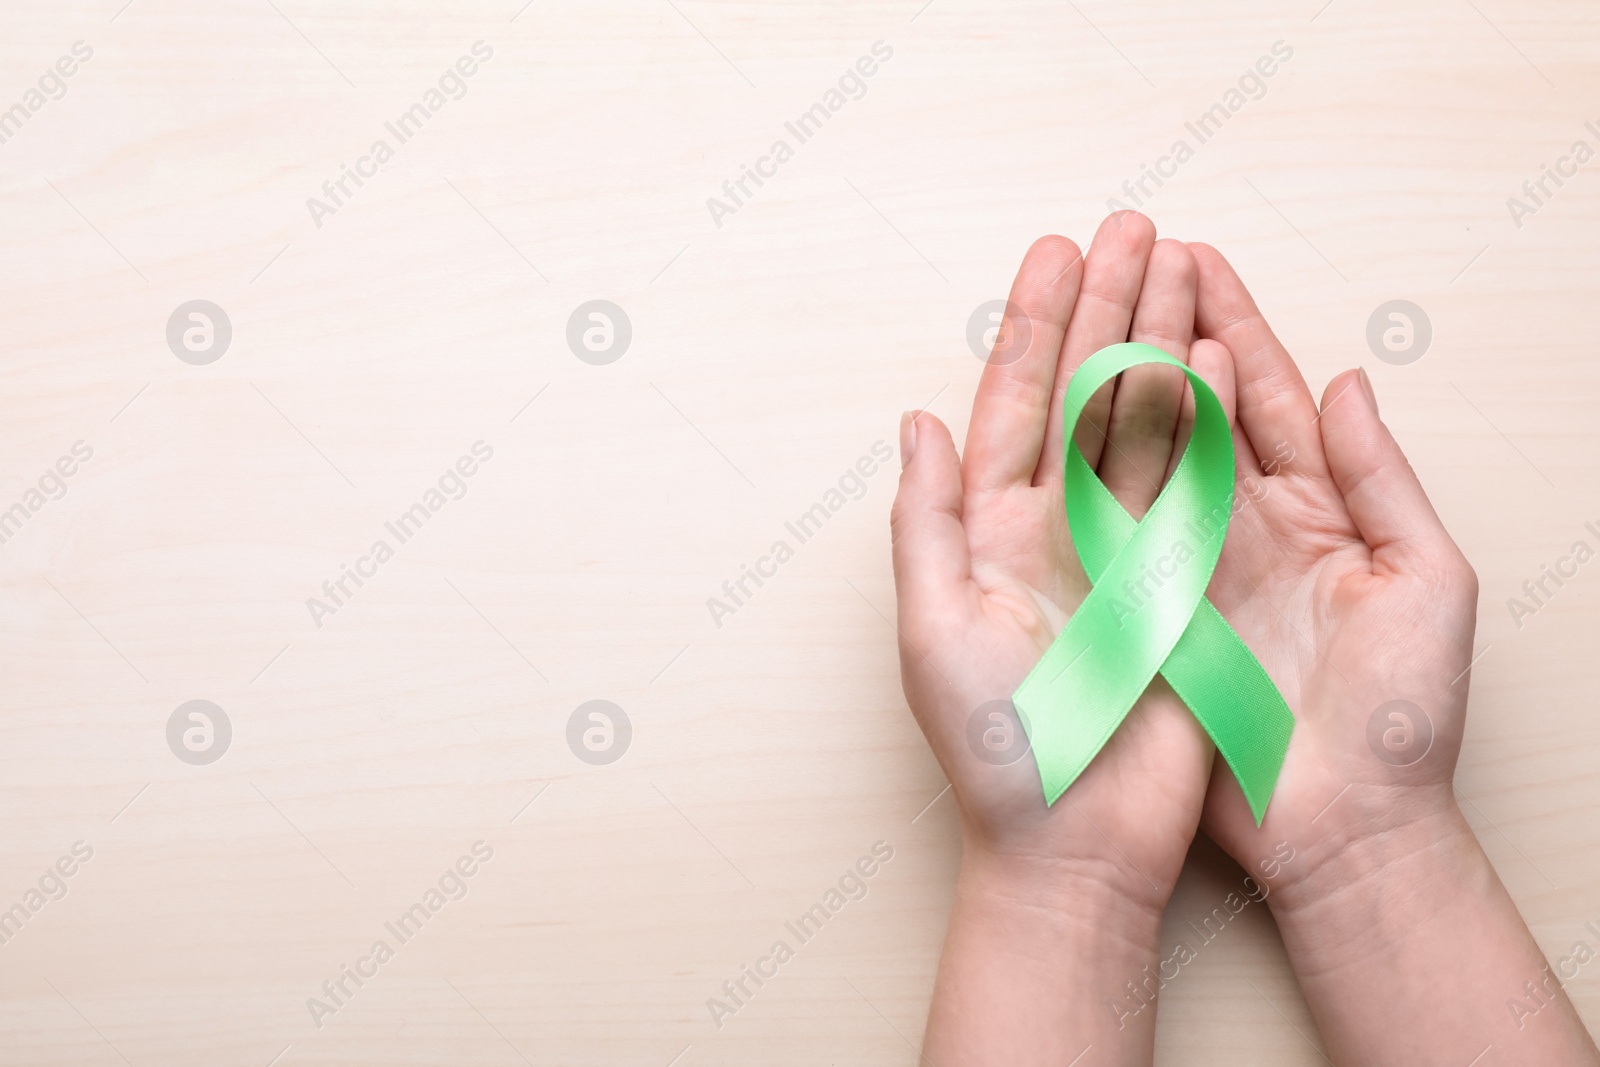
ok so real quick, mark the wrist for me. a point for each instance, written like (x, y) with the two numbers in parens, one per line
(1390, 862)
(1065, 918)
(1081, 896)
(1036, 955)
(1408, 948)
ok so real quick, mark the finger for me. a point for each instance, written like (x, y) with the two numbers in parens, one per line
(1275, 407)
(1149, 398)
(931, 559)
(1113, 272)
(1381, 491)
(1212, 361)
(1013, 398)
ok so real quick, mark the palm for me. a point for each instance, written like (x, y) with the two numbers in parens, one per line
(1144, 789)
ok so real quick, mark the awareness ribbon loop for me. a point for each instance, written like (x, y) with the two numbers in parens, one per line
(1147, 611)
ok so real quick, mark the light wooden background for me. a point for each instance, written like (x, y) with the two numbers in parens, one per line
(768, 354)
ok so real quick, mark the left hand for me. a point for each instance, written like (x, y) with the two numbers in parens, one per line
(987, 575)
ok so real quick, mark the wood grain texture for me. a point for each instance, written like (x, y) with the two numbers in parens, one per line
(771, 349)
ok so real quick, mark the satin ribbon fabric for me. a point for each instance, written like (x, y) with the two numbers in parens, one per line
(1147, 612)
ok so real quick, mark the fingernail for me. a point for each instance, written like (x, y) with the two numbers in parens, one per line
(1366, 387)
(908, 436)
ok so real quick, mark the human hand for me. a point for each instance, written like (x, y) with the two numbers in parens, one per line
(1341, 578)
(986, 577)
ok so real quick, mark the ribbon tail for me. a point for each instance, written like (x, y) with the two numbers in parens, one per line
(1214, 672)
(1078, 694)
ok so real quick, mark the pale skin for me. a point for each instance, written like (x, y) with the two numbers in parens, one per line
(1340, 578)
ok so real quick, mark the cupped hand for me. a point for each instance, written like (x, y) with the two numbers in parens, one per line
(1340, 577)
(986, 574)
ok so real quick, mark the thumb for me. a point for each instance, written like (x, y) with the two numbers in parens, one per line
(931, 558)
(1385, 499)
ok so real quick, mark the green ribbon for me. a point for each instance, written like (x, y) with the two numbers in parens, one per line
(1147, 610)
